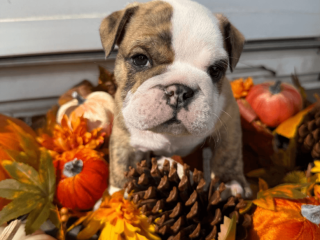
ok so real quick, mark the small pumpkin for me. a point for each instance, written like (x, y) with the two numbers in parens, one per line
(286, 222)
(82, 177)
(97, 107)
(274, 102)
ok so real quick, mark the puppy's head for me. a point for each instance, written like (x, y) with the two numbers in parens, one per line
(171, 64)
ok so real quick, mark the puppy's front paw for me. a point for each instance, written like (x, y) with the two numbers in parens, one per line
(232, 189)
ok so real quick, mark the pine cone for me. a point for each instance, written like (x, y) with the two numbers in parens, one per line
(181, 208)
(309, 133)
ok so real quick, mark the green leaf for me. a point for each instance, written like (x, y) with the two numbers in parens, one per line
(22, 172)
(55, 216)
(38, 216)
(11, 189)
(32, 193)
(22, 205)
(46, 174)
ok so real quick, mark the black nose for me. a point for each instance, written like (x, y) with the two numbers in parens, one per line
(178, 95)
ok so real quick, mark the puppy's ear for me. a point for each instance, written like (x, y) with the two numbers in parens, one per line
(233, 40)
(113, 26)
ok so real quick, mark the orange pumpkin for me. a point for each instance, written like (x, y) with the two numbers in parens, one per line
(82, 177)
(284, 223)
(97, 107)
(274, 102)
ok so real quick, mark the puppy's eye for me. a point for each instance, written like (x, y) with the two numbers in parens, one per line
(215, 73)
(140, 60)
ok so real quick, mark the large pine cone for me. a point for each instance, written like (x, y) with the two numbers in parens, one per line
(309, 133)
(182, 208)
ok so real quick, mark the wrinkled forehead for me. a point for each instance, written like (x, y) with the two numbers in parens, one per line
(187, 28)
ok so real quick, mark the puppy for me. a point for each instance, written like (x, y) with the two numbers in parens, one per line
(172, 94)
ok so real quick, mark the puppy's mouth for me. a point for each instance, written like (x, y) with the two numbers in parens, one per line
(172, 126)
(172, 121)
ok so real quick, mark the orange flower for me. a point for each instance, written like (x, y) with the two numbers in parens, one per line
(286, 222)
(241, 88)
(117, 218)
(66, 138)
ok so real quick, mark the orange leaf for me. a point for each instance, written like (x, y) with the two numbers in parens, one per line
(289, 127)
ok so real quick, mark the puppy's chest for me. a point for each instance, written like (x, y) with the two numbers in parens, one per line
(163, 145)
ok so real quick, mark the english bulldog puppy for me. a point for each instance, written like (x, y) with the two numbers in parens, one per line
(173, 96)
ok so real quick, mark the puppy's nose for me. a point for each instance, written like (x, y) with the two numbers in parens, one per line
(178, 95)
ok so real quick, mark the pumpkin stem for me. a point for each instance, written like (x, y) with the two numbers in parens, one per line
(77, 96)
(275, 88)
(73, 167)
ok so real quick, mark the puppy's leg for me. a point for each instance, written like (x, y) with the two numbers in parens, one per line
(227, 164)
(226, 161)
(122, 155)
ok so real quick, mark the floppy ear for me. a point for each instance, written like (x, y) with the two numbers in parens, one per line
(112, 28)
(233, 40)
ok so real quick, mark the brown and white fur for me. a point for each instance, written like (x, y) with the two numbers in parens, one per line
(180, 97)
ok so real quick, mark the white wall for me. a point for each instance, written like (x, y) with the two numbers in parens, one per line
(55, 26)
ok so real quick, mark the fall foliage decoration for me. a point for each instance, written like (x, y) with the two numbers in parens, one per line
(31, 193)
(117, 218)
(82, 177)
(240, 87)
(182, 208)
(97, 107)
(309, 133)
(274, 102)
(10, 128)
(17, 143)
(65, 138)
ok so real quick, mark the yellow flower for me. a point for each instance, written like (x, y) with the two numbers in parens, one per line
(119, 219)
(316, 169)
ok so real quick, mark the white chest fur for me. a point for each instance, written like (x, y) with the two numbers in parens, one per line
(163, 144)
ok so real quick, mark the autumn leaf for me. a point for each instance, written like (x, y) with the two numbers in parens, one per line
(228, 228)
(30, 148)
(265, 198)
(289, 127)
(31, 192)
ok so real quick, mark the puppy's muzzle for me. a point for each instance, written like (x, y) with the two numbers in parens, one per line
(178, 95)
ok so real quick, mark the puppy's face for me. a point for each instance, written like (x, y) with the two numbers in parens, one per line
(170, 66)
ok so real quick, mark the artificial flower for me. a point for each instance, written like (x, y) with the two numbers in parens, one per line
(117, 218)
(65, 137)
(240, 87)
